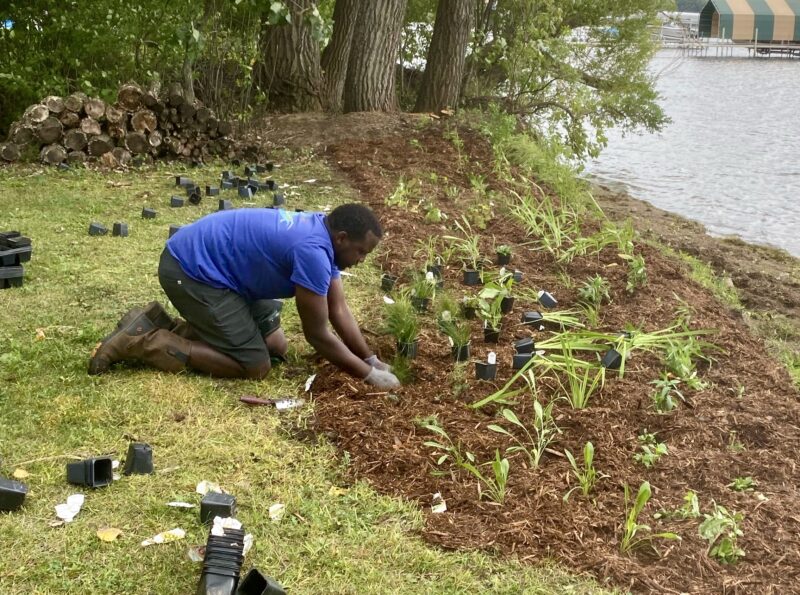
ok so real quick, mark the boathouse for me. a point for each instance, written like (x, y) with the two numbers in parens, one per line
(751, 20)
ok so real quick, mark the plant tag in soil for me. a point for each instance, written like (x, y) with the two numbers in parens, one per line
(439, 506)
(388, 300)
(491, 358)
(310, 381)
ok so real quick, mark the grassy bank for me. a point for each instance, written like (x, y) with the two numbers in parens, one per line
(333, 538)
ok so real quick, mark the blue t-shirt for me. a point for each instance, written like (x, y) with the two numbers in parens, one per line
(257, 253)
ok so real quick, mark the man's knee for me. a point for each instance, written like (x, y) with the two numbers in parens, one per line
(277, 343)
(258, 372)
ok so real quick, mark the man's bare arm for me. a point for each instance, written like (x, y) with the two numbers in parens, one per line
(343, 321)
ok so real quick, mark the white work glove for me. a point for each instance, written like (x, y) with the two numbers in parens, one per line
(381, 378)
(373, 361)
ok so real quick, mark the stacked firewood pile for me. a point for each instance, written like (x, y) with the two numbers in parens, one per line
(141, 125)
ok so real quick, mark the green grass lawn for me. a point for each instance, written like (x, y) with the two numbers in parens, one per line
(76, 288)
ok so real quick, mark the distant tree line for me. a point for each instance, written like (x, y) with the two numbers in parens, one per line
(567, 69)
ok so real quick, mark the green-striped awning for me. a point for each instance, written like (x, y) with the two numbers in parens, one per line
(749, 20)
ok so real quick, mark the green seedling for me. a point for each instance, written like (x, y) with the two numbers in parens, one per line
(652, 450)
(423, 286)
(401, 320)
(632, 536)
(400, 196)
(494, 487)
(743, 484)
(721, 529)
(458, 331)
(637, 273)
(544, 427)
(587, 475)
(594, 291)
(689, 510)
(448, 450)
(582, 381)
(666, 388)
(468, 246)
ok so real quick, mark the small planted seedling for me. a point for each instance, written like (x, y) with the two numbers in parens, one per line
(215, 504)
(544, 427)
(721, 529)
(278, 199)
(652, 449)
(95, 472)
(743, 484)
(587, 475)
(97, 229)
(120, 229)
(176, 201)
(423, 290)
(12, 494)
(546, 299)
(139, 460)
(666, 387)
(401, 322)
(503, 254)
(173, 229)
(387, 282)
(632, 529)
(487, 370)
(458, 332)
(469, 307)
(224, 204)
(148, 213)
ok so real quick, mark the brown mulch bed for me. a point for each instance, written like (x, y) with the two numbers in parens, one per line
(746, 423)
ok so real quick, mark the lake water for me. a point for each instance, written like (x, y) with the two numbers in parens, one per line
(730, 159)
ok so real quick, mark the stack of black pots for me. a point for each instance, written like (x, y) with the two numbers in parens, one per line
(15, 249)
(222, 564)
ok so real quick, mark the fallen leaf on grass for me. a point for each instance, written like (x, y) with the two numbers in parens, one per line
(276, 512)
(165, 537)
(205, 486)
(20, 474)
(109, 534)
(40, 336)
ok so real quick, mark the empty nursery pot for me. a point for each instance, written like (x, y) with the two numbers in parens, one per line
(194, 196)
(97, 229)
(255, 583)
(254, 186)
(264, 167)
(120, 229)
(547, 300)
(183, 181)
(408, 350)
(95, 472)
(520, 359)
(461, 352)
(420, 304)
(503, 258)
(270, 185)
(12, 494)
(227, 174)
(11, 276)
(525, 345)
(472, 277)
(491, 335)
(533, 317)
(612, 359)
(217, 583)
(245, 191)
(139, 460)
(227, 184)
(17, 241)
(173, 229)
(14, 256)
(214, 504)
(5, 235)
(278, 199)
(249, 170)
(517, 276)
(224, 204)
(242, 182)
(148, 213)
(235, 162)
(387, 282)
(176, 201)
(506, 304)
(485, 371)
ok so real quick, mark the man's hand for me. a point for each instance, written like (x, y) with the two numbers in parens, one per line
(373, 361)
(381, 379)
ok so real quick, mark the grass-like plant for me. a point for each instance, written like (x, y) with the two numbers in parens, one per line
(467, 246)
(544, 428)
(423, 285)
(448, 450)
(457, 330)
(586, 475)
(594, 291)
(722, 529)
(635, 534)
(430, 250)
(401, 320)
(489, 309)
(493, 486)
(582, 381)
(681, 358)
(504, 249)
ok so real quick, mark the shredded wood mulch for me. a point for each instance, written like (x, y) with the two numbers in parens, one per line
(744, 424)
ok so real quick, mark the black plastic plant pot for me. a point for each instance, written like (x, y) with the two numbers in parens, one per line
(420, 304)
(436, 269)
(533, 317)
(517, 276)
(255, 583)
(242, 182)
(176, 202)
(263, 167)
(95, 472)
(387, 282)
(5, 235)
(506, 304)
(226, 184)
(10, 257)
(461, 352)
(472, 277)
(278, 199)
(214, 504)
(520, 359)
(547, 300)
(235, 162)
(224, 205)
(148, 213)
(194, 196)
(525, 345)
(254, 187)
(212, 583)
(408, 350)
(612, 360)
(503, 259)
(120, 229)
(485, 371)
(491, 335)
(139, 460)
(270, 184)
(249, 170)
(11, 277)
(469, 312)
(173, 229)
(18, 241)
(227, 174)
(97, 229)
(12, 494)
(183, 181)
(245, 192)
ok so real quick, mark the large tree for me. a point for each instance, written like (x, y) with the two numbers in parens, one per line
(444, 69)
(371, 69)
(337, 53)
(289, 71)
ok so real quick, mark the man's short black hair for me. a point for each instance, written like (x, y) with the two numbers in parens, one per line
(356, 220)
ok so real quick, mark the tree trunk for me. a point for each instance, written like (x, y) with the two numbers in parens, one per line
(22, 134)
(441, 83)
(337, 53)
(289, 70)
(371, 69)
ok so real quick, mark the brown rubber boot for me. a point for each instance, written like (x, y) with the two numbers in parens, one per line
(183, 329)
(163, 350)
(154, 311)
(116, 346)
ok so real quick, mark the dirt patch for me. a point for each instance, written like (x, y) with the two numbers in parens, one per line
(747, 423)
